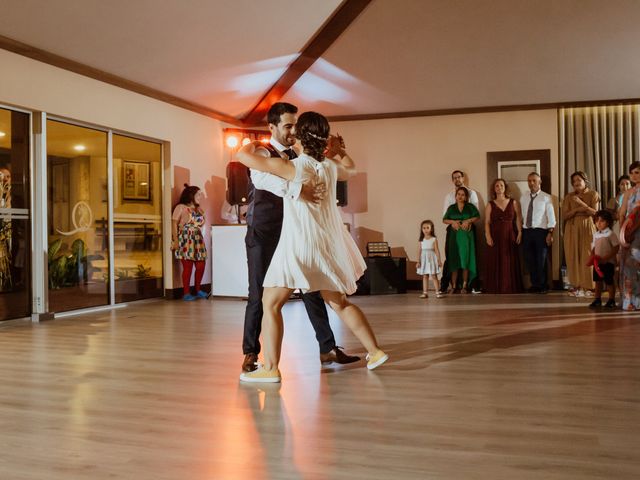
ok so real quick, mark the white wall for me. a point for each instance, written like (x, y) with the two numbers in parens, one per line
(408, 164)
(195, 140)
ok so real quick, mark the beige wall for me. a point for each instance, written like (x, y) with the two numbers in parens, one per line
(406, 166)
(196, 140)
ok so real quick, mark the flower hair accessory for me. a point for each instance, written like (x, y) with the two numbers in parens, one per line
(317, 137)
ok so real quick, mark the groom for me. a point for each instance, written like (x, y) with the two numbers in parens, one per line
(264, 222)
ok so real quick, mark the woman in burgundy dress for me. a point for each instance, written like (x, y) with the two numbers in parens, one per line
(503, 230)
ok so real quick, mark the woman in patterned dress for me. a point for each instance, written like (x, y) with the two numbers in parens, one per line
(630, 248)
(187, 241)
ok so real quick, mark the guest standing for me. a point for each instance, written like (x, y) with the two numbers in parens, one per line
(187, 240)
(614, 204)
(578, 209)
(429, 262)
(603, 251)
(630, 251)
(461, 249)
(537, 233)
(458, 178)
(503, 232)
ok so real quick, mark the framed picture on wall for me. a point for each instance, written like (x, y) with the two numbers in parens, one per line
(136, 181)
(515, 166)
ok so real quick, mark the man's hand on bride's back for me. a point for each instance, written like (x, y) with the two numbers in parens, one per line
(313, 193)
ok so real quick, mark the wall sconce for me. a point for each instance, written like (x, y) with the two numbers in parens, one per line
(234, 137)
(231, 141)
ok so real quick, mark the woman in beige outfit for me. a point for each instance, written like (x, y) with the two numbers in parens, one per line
(578, 209)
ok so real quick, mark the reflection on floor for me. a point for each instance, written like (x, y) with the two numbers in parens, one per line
(477, 387)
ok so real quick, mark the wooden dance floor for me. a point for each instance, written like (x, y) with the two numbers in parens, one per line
(477, 387)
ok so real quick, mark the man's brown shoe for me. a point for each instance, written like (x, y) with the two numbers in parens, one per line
(336, 355)
(249, 364)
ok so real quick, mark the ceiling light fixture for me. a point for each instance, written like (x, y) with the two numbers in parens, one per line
(2, 134)
(79, 148)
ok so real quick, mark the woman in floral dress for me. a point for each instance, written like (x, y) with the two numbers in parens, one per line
(187, 240)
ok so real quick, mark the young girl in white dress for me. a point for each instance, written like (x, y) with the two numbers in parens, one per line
(429, 261)
(315, 251)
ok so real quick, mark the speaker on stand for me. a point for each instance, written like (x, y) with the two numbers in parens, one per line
(237, 185)
(342, 193)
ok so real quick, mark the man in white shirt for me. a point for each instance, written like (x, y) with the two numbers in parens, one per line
(539, 221)
(264, 223)
(458, 179)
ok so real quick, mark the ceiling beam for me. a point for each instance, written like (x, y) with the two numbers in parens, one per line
(87, 71)
(322, 40)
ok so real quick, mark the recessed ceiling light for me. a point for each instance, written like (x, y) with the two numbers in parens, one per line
(79, 148)
(144, 183)
(2, 134)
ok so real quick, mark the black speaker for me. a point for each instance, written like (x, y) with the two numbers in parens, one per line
(237, 183)
(384, 275)
(341, 193)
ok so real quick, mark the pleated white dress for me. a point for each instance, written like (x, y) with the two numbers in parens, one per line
(315, 251)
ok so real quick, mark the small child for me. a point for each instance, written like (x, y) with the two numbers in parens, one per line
(429, 262)
(604, 249)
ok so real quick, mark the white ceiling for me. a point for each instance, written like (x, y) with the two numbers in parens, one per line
(397, 56)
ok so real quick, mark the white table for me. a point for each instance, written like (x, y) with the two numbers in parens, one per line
(229, 277)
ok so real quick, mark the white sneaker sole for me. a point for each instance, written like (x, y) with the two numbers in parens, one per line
(247, 379)
(380, 361)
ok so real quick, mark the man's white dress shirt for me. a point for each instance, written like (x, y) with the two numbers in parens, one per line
(543, 215)
(272, 183)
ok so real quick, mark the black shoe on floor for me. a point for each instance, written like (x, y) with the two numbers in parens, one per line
(610, 304)
(596, 303)
(336, 355)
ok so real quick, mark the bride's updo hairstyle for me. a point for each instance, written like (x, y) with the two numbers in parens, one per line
(312, 129)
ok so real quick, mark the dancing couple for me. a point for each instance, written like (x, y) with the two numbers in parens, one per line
(299, 241)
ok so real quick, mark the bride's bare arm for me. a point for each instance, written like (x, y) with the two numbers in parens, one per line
(258, 158)
(337, 153)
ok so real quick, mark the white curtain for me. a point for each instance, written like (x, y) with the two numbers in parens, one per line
(600, 141)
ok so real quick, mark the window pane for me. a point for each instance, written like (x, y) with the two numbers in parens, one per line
(137, 218)
(78, 209)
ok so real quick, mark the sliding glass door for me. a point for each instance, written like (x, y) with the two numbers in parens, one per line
(15, 223)
(137, 218)
(77, 217)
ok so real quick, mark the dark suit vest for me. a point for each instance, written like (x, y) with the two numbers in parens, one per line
(265, 210)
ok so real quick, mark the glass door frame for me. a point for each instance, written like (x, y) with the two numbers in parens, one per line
(31, 211)
(40, 241)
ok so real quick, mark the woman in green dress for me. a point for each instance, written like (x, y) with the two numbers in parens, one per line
(461, 253)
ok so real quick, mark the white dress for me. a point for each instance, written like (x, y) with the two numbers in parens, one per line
(428, 258)
(315, 251)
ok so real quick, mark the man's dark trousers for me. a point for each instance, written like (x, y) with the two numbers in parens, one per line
(535, 249)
